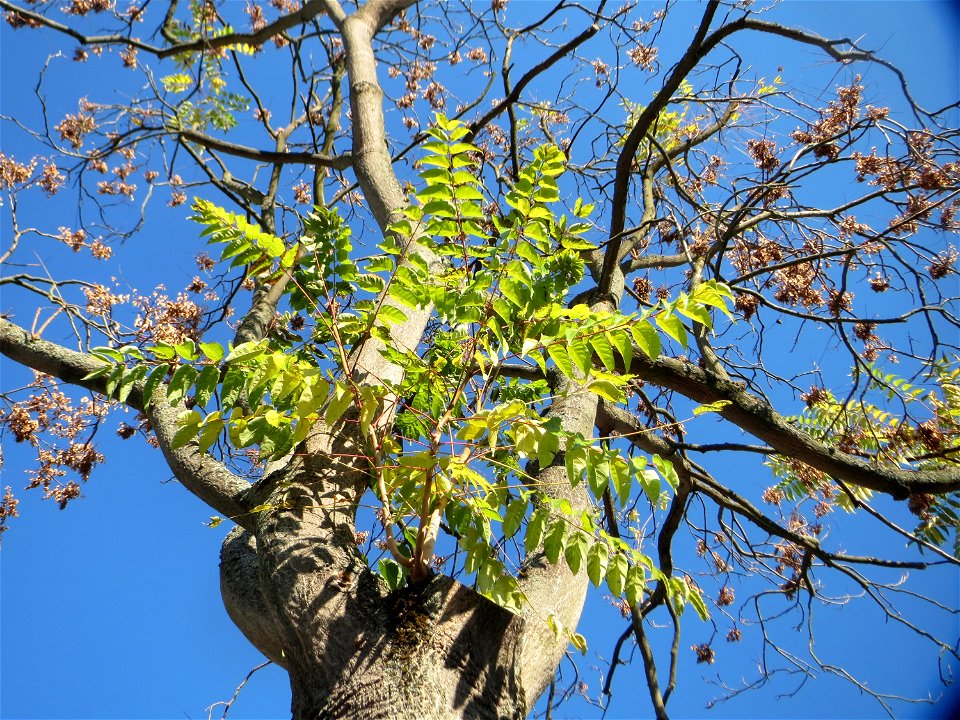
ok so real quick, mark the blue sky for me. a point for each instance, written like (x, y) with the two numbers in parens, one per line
(111, 608)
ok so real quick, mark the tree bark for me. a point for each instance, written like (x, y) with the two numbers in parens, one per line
(302, 593)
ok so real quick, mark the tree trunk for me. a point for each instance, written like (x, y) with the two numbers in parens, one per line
(301, 591)
(437, 650)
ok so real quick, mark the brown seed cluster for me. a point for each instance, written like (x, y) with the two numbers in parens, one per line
(162, 319)
(129, 57)
(100, 300)
(41, 420)
(920, 503)
(14, 173)
(602, 72)
(840, 115)
(73, 128)
(754, 254)
(51, 179)
(705, 653)
(258, 20)
(746, 304)
(879, 283)
(726, 596)
(302, 194)
(478, 55)
(18, 20)
(795, 285)
(764, 154)
(815, 396)
(773, 495)
(644, 57)
(82, 7)
(943, 263)
(642, 287)
(8, 508)
(116, 187)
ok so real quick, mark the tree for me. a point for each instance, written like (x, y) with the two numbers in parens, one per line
(479, 376)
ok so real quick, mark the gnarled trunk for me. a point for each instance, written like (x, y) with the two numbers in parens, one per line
(301, 591)
(437, 650)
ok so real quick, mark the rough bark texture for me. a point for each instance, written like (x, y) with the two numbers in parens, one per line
(301, 592)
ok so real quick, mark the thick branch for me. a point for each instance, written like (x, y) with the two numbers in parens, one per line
(374, 170)
(206, 478)
(757, 417)
(697, 50)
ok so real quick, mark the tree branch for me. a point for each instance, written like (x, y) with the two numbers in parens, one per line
(337, 162)
(205, 477)
(282, 23)
(757, 417)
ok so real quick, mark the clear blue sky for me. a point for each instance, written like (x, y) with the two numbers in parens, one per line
(111, 609)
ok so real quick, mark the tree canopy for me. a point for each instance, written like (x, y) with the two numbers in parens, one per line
(458, 315)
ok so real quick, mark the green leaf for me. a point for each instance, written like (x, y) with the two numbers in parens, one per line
(553, 540)
(576, 461)
(559, 355)
(153, 382)
(535, 528)
(597, 474)
(340, 400)
(108, 354)
(207, 382)
(163, 351)
(672, 326)
(606, 389)
(515, 292)
(694, 311)
(214, 351)
(622, 480)
(189, 427)
(179, 384)
(391, 572)
(516, 511)
(100, 371)
(666, 469)
(247, 351)
(617, 573)
(604, 350)
(370, 283)
(232, 386)
(187, 350)
(576, 550)
(716, 406)
(391, 315)
(696, 599)
(211, 431)
(380, 263)
(569, 242)
(647, 338)
(113, 380)
(621, 340)
(634, 585)
(580, 354)
(597, 561)
(649, 480)
(129, 380)
(369, 407)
